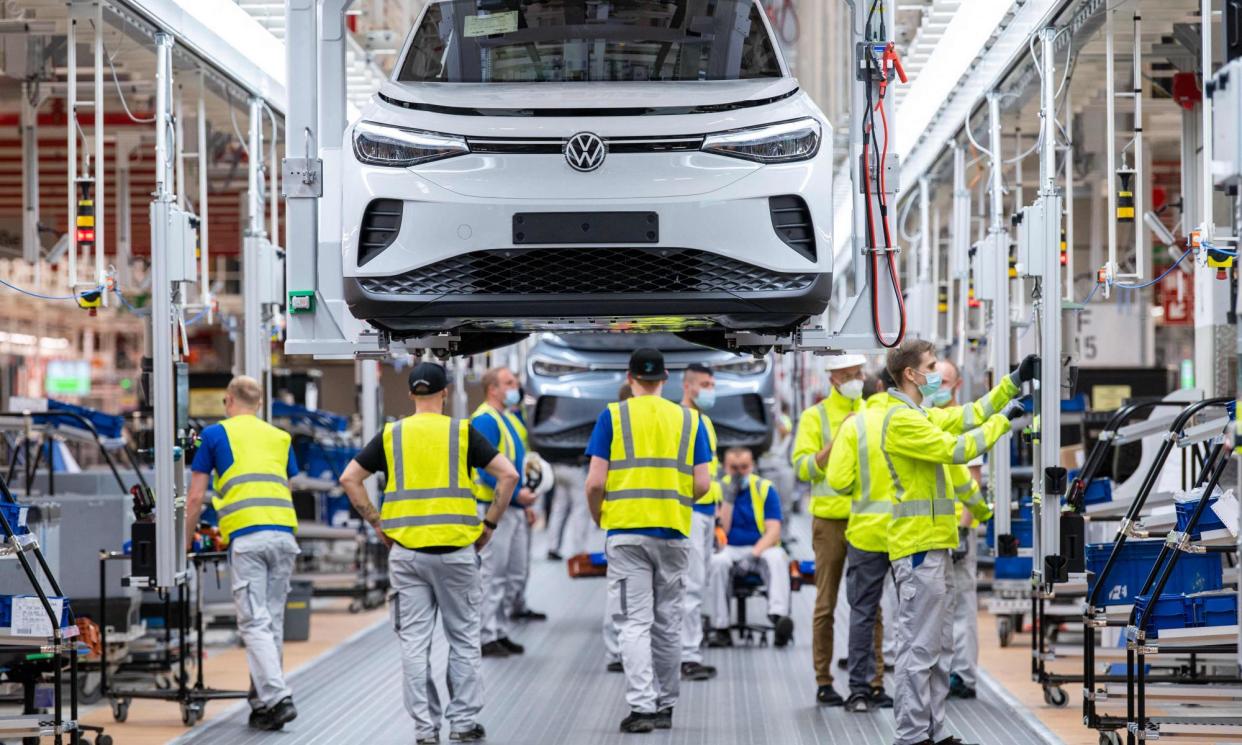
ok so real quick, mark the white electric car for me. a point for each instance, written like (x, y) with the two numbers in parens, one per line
(585, 164)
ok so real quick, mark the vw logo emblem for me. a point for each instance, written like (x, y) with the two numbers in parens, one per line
(585, 151)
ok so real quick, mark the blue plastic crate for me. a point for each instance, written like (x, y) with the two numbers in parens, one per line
(6, 610)
(15, 515)
(1192, 573)
(1012, 567)
(1215, 610)
(599, 559)
(807, 567)
(1169, 612)
(1022, 526)
(1207, 521)
(1100, 490)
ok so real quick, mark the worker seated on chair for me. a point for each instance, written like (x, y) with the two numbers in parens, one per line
(750, 516)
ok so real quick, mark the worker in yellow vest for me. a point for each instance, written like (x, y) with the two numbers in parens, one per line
(750, 516)
(649, 463)
(698, 385)
(429, 518)
(923, 529)
(503, 561)
(830, 509)
(252, 461)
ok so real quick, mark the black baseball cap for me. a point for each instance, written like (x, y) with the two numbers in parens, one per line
(647, 364)
(427, 378)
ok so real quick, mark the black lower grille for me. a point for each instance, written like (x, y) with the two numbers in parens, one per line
(380, 224)
(791, 219)
(587, 271)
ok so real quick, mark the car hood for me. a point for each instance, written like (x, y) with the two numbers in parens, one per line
(517, 99)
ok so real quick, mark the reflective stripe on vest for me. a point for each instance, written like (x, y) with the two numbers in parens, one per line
(714, 492)
(254, 490)
(899, 491)
(427, 500)
(959, 449)
(645, 488)
(923, 508)
(864, 463)
(506, 446)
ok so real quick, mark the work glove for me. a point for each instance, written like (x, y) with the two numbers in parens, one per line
(1026, 369)
(1014, 410)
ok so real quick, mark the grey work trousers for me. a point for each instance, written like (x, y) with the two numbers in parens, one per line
(772, 565)
(964, 612)
(569, 524)
(519, 569)
(501, 566)
(864, 587)
(261, 564)
(645, 597)
(924, 635)
(702, 544)
(422, 586)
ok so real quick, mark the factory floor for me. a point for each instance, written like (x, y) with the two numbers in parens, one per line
(347, 686)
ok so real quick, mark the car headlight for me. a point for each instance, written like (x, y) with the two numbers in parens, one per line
(744, 366)
(774, 143)
(555, 368)
(381, 145)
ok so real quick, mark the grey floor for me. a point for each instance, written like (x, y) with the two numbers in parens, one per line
(559, 692)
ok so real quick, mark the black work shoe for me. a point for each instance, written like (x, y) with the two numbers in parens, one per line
(428, 740)
(281, 714)
(951, 741)
(494, 649)
(474, 734)
(664, 718)
(959, 689)
(555, 556)
(260, 719)
(879, 699)
(510, 646)
(720, 638)
(637, 723)
(858, 703)
(530, 615)
(784, 631)
(695, 671)
(615, 667)
(827, 696)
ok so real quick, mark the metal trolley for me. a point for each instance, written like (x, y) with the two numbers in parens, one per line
(1136, 723)
(192, 698)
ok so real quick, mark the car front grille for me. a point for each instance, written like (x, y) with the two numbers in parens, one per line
(556, 145)
(587, 271)
(380, 224)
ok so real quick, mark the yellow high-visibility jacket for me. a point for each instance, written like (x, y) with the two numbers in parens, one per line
(817, 427)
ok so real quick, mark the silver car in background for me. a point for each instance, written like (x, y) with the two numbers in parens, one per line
(572, 377)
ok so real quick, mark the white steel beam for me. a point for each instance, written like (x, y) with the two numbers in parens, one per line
(999, 481)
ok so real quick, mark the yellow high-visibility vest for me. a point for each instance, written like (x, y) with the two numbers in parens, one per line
(650, 480)
(255, 489)
(428, 498)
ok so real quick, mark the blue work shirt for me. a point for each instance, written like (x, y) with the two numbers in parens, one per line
(744, 530)
(216, 454)
(486, 425)
(600, 446)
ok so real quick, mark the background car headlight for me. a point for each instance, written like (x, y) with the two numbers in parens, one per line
(381, 145)
(743, 366)
(556, 369)
(774, 143)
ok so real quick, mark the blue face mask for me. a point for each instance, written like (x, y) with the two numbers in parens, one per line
(512, 397)
(931, 385)
(938, 399)
(705, 399)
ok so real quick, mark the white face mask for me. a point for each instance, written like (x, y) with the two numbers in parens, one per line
(851, 389)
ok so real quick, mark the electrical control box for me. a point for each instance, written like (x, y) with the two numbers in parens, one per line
(1226, 113)
(181, 249)
(983, 264)
(1039, 237)
(271, 274)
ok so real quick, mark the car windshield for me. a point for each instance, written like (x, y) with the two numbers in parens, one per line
(532, 41)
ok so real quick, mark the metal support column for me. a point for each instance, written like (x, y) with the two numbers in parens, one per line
(999, 478)
(204, 244)
(254, 340)
(1047, 510)
(126, 144)
(31, 243)
(170, 504)
(959, 259)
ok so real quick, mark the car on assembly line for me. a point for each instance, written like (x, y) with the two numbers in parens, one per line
(547, 165)
(572, 377)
